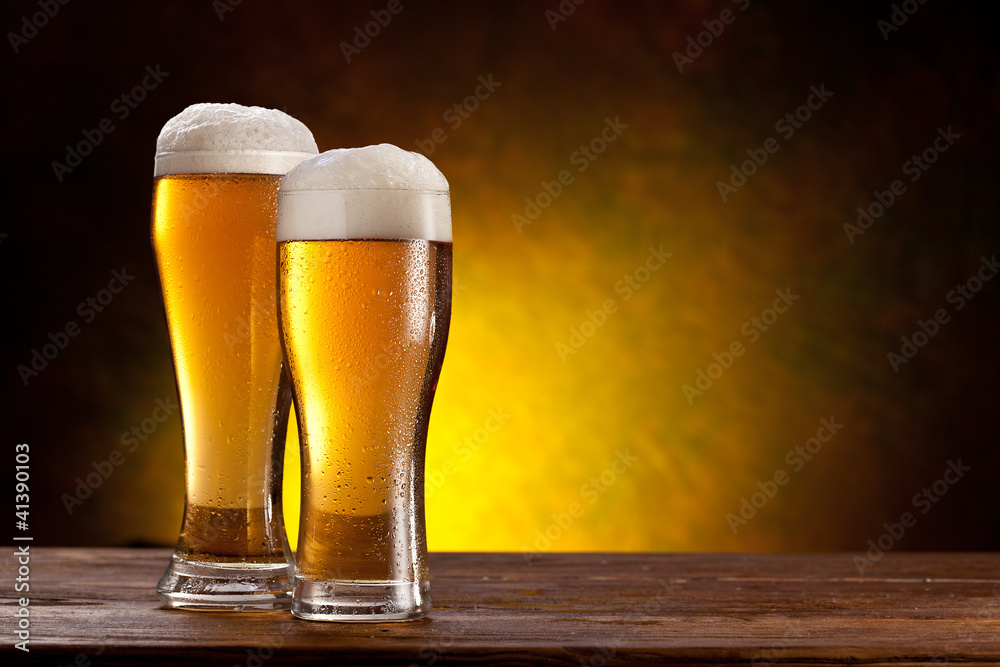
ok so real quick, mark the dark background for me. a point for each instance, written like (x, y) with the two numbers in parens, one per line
(523, 291)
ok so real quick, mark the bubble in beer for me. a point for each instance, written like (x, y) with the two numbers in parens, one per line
(375, 192)
(233, 139)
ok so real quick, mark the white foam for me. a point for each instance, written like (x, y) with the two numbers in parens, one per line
(231, 138)
(375, 192)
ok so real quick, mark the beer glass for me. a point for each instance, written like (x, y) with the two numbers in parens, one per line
(364, 272)
(218, 168)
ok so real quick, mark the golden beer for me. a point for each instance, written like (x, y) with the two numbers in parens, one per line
(355, 300)
(214, 238)
(213, 235)
(364, 272)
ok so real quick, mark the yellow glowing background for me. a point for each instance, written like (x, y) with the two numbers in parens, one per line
(529, 442)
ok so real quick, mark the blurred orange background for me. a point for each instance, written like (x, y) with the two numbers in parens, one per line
(562, 421)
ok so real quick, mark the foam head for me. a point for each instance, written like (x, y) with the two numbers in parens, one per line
(375, 192)
(231, 139)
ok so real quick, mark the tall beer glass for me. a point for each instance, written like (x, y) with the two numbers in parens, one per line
(218, 168)
(364, 271)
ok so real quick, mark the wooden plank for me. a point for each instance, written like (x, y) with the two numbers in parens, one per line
(565, 609)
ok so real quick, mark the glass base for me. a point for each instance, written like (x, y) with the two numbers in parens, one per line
(222, 586)
(364, 602)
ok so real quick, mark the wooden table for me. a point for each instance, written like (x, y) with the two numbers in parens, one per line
(99, 607)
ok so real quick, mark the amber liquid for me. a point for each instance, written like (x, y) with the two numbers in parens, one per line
(214, 238)
(364, 326)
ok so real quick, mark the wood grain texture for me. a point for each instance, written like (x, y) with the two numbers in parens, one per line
(560, 609)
